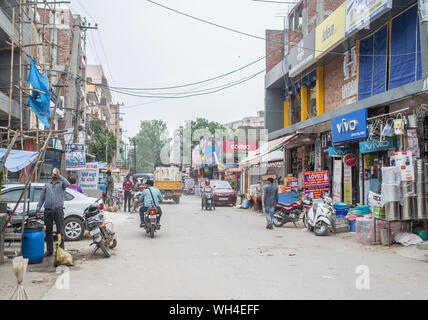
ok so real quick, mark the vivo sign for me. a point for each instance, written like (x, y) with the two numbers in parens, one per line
(350, 126)
(376, 145)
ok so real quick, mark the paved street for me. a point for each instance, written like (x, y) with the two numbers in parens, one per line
(228, 254)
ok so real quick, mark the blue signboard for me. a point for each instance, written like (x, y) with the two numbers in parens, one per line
(339, 152)
(350, 126)
(376, 145)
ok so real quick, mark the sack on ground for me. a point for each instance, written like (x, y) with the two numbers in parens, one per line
(62, 257)
(19, 268)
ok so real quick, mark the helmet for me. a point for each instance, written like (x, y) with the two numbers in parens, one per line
(207, 182)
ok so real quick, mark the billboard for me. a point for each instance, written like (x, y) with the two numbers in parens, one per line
(331, 31)
(88, 179)
(303, 54)
(75, 157)
(360, 12)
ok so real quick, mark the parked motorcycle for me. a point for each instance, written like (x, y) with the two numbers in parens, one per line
(286, 213)
(208, 201)
(151, 221)
(103, 237)
(320, 218)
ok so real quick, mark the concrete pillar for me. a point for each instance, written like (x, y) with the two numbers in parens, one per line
(319, 90)
(304, 110)
(305, 20)
(3, 218)
(320, 11)
(286, 112)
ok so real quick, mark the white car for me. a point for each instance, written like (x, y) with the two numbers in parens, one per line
(75, 204)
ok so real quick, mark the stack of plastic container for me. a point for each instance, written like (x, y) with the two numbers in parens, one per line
(341, 224)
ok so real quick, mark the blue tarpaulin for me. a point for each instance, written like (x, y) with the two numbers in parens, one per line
(17, 159)
(372, 64)
(405, 60)
(40, 102)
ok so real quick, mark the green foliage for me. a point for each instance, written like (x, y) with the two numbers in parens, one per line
(150, 141)
(100, 136)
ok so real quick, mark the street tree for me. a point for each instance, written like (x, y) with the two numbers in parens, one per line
(150, 141)
(100, 136)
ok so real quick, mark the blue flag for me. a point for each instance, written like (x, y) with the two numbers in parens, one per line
(40, 102)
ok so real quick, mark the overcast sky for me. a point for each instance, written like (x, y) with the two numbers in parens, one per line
(148, 46)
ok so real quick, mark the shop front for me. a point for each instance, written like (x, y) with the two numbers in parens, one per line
(347, 131)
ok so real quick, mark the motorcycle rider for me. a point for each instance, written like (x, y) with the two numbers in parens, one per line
(147, 199)
(206, 188)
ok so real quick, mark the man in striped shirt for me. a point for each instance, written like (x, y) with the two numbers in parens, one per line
(127, 188)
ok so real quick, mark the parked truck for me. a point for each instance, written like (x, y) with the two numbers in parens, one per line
(169, 181)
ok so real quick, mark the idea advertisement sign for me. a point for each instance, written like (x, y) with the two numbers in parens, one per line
(316, 179)
(360, 13)
(239, 146)
(88, 179)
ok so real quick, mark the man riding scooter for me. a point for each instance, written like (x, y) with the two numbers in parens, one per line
(151, 197)
(206, 188)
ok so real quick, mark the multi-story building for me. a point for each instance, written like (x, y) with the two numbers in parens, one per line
(250, 122)
(30, 36)
(338, 73)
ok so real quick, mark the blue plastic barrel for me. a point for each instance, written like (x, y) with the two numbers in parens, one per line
(33, 245)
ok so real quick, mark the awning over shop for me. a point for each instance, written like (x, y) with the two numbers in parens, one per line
(263, 154)
(18, 159)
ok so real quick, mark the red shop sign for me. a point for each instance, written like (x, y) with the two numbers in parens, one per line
(239, 146)
(350, 160)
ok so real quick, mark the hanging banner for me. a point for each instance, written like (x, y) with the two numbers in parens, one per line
(337, 181)
(75, 157)
(88, 179)
(318, 156)
(360, 13)
(347, 183)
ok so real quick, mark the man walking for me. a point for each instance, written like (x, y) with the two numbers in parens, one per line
(52, 198)
(127, 188)
(270, 200)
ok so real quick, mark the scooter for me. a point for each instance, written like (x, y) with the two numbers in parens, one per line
(208, 201)
(320, 218)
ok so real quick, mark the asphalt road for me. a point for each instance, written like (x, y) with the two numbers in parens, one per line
(229, 254)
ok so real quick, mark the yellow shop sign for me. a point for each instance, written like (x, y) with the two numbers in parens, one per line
(330, 31)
